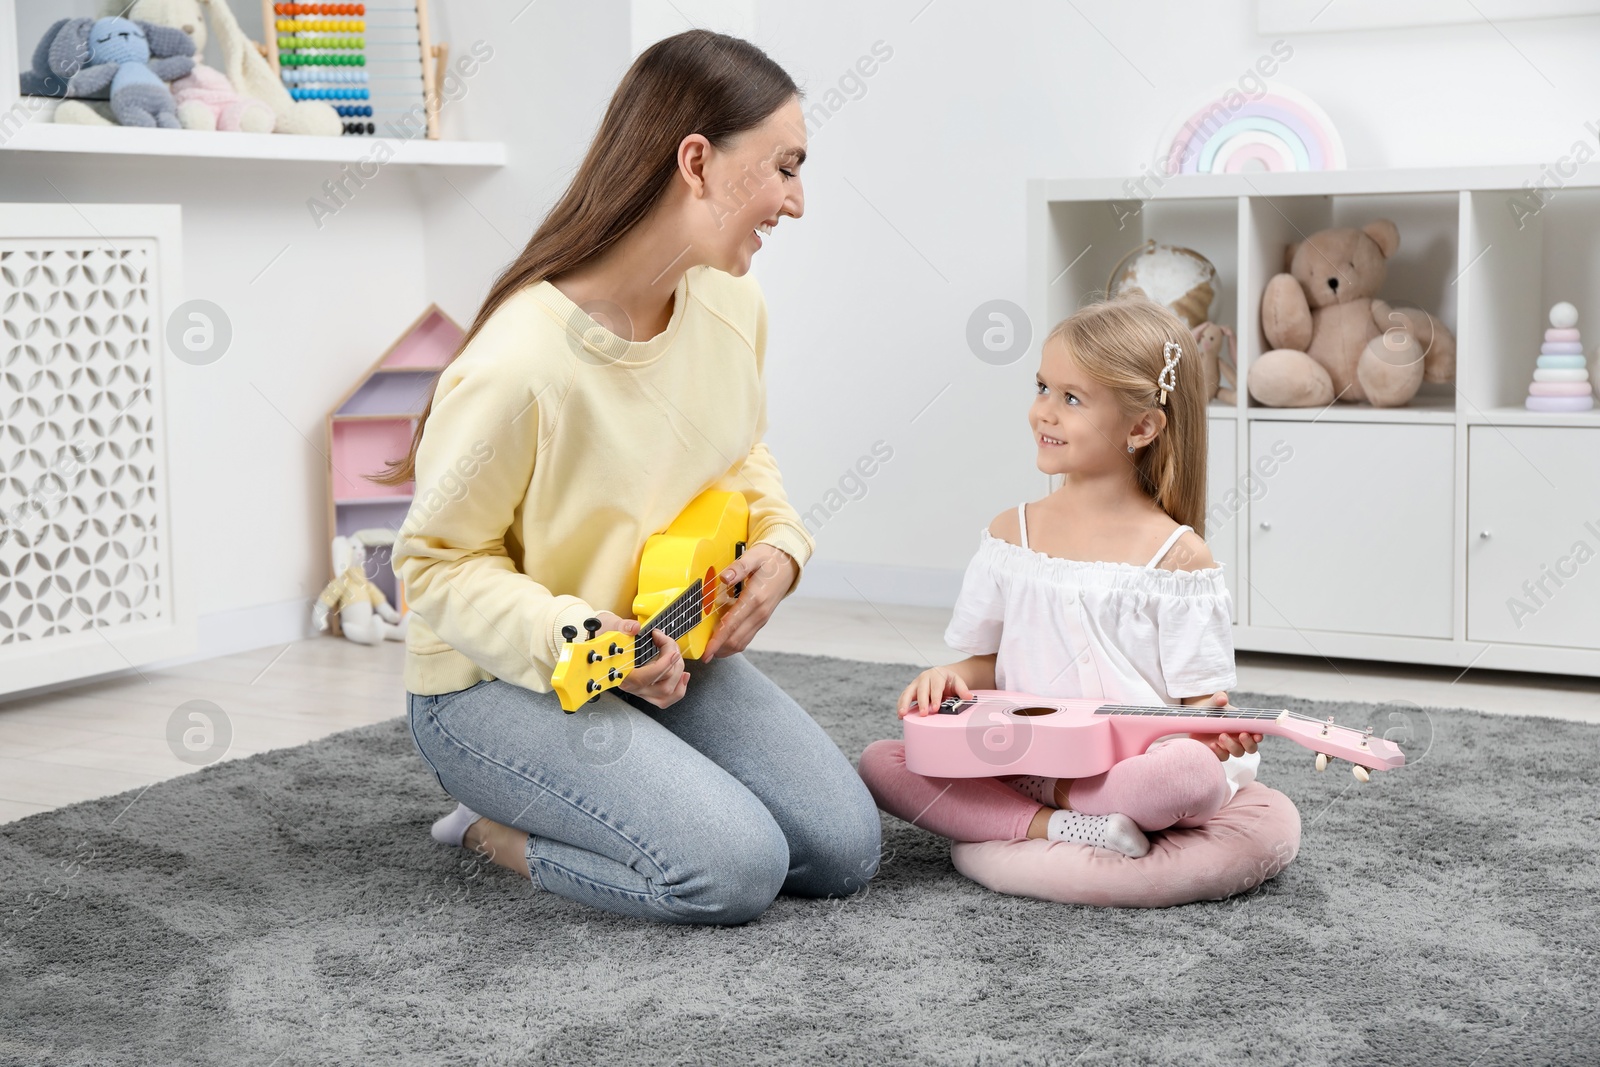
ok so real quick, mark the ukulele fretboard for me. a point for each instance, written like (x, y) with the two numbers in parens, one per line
(1188, 711)
(674, 620)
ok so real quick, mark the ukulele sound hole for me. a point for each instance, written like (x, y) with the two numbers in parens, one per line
(1034, 711)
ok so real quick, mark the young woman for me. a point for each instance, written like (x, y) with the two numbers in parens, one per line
(614, 372)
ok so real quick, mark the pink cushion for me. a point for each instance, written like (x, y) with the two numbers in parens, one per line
(1249, 841)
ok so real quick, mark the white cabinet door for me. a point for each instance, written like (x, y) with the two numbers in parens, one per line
(1533, 535)
(1224, 501)
(1351, 528)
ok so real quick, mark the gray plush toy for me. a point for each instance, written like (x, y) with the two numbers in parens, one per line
(122, 59)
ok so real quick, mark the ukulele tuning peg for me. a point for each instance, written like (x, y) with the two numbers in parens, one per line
(1361, 773)
(593, 626)
(1322, 761)
(570, 632)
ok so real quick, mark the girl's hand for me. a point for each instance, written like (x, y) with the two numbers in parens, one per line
(1224, 745)
(662, 681)
(767, 572)
(929, 689)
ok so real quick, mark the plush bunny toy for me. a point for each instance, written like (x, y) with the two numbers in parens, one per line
(364, 615)
(118, 52)
(206, 99)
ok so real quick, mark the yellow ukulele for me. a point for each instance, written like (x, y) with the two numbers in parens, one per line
(680, 586)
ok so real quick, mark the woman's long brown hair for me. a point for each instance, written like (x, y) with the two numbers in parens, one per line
(693, 82)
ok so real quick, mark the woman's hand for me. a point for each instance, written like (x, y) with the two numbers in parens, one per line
(1224, 745)
(767, 572)
(928, 690)
(662, 681)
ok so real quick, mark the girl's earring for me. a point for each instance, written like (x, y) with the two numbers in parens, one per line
(1130, 448)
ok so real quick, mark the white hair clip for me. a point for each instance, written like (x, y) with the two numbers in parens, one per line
(1169, 374)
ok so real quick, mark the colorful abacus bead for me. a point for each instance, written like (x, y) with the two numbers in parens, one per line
(319, 9)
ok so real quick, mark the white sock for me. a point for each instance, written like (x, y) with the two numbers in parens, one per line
(453, 827)
(1116, 832)
(1035, 787)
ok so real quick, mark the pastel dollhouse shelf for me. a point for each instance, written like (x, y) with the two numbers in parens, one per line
(371, 425)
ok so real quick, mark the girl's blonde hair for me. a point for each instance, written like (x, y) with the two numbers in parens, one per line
(1119, 343)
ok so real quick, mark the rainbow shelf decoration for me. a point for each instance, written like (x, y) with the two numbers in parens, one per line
(1230, 133)
(322, 56)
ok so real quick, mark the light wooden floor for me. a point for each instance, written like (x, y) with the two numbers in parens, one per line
(110, 736)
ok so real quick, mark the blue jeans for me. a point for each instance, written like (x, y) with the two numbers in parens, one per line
(701, 812)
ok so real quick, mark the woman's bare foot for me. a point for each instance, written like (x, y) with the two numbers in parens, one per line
(504, 846)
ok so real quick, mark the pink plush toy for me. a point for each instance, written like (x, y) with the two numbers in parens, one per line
(211, 90)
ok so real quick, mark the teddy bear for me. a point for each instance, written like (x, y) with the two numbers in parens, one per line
(121, 64)
(1333, 339)
(1217, 368)
(359, 608)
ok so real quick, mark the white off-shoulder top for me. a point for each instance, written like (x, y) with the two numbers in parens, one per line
(1074, 628)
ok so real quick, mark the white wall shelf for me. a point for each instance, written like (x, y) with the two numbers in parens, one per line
(40, 134)
(27, 124)
(1359, 545)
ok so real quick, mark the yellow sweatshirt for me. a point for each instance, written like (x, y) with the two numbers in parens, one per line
(550, 457)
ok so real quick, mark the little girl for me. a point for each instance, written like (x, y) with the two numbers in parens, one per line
(1105, 588)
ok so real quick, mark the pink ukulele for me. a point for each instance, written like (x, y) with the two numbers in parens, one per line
(1001, 732)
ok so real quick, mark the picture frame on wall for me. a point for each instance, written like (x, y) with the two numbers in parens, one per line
(1325, 16)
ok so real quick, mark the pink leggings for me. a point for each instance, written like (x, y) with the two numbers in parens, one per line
(1178, 782)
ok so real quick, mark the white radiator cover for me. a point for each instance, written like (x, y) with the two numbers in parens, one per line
(87, 541)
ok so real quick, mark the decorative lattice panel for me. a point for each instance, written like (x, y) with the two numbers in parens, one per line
(82, 540)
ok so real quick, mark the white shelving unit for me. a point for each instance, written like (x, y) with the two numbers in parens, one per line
(1460, 530)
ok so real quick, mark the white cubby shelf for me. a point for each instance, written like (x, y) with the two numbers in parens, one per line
(1461, 529)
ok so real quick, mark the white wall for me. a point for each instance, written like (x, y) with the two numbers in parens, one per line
(914, 217)
(312, 308)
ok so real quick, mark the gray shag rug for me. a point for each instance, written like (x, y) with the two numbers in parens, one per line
(290, 909)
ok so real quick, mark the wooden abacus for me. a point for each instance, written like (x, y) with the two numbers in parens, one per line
(368, 60)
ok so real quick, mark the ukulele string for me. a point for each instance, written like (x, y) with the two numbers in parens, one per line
(682, 608)
(1183, 710)
(669, 620)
